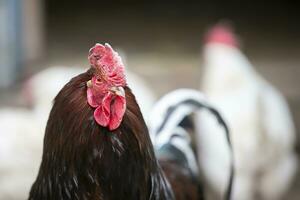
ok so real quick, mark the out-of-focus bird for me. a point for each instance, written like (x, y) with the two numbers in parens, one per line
(172, 122)
(144, 95)
(41, 88)
(143, 92)
(97, 145)
(21, 132)
(258, 117)
(20, 152)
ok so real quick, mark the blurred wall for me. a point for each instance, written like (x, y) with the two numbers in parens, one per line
(21, 37)
(33, 29)
(10, 52)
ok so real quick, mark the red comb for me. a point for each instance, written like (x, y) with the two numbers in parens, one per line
(222, 34)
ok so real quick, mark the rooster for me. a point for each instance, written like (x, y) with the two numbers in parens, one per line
(97, 145)
(21, 129)
(172, 123)
(258, 116)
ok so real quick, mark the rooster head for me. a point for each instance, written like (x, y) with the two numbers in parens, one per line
(222, 33)
(105, 90)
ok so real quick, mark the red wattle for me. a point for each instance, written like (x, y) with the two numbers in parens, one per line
(91, 98)
(109, 113)
(118, 108)
(102, 114)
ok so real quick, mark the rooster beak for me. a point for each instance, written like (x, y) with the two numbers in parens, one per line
(89, 83)
(118, 91)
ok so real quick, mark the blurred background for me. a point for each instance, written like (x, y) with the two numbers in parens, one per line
(162, 42)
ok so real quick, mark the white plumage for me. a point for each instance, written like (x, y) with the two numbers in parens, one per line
(167, 102)
(22, 132)
(143, 93)
(168, 114)
(259, 119)
(21, 139)
(163, 124)
(42, 87)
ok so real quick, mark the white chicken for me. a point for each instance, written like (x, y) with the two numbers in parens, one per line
(173, 116)
(22, 132)
(144, 94)
(41, 88)
(21, 142)
(258, 117)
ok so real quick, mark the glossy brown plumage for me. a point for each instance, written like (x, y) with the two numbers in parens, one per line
(82, 160)
(183, 184)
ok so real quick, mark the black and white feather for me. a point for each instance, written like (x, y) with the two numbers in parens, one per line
(171, 123)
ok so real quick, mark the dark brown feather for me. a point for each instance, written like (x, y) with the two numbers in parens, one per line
(185, 186)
